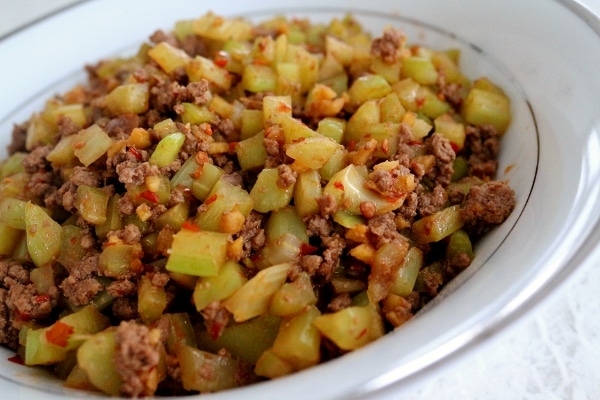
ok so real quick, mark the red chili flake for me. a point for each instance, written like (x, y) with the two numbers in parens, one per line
(150, 196)
(221, 59)
(211, 199)
(42, 298)
(420, 102)
(385, 146)
(59, 334)
(454, 147)
(299, 140)
(306, 248)
(190, 226)
(362, 333)
(352, 145)
(232, 146)
(135, 153)
(16, 359)
(338, 185)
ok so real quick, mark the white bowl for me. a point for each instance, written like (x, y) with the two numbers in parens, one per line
(544, 53)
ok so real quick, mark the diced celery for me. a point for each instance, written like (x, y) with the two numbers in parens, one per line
(265, 193)
(225, 372)
(12, 165)
(10, 238)
(352, 327)
(119, 260)
(335, 164)
(486, 107)
(283, 249)
(298, 340)
(252, 123)
(293, 297)
(91, 144)
(438, 225)
(251, 152)
(459, 243)
(312, 152)
(275, 108)
(12, 212)
(246, 340)
(407, 273)
(195, 114)
(271, 366)
(332, 128)
(96, 358)
(306, 190)
(259, 78)
(128, 98)
(152, 300)
(179, 331)
(420, 69)
(203, 184)
(92, 204)
(225, 208)
(43, 235)
(198, 253)
(174, 216)
(113, 220)
(285, 220)
(452, 130)
(253, 298)
(169, 57)
(167, 149)
(203, 68)
(215, 288)
(295, 130)
(368, 87)
(217, 28)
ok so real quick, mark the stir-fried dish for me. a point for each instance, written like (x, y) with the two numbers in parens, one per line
(238, 201)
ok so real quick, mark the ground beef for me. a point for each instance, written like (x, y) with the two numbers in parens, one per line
(84, 176)
(130, 234)
(340, 302)
(122, 288)
(444, 154)
(432, 201)
(66, 126)
(79, 292)
(216, 317)
(136, 173)
(19, 137)
(252, 233)
(27, 304)
(382, 229)
(310, 263)
(9, 335)
(487, 205)
(334, 247)
(483, 144)
(136, 358)
(316, 225)
(125, 308)
(327, 204)
(287, 177)
(388, 45)
(36, 159)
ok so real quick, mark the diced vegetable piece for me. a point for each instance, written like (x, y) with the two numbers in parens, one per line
(420, 69)
(10, 239)
(348, 188)
(386, 261)
(275, 108)
(64, 152)
(225, 372)
(251, 152)
(336, 163)
(203, 68)
(459, 243)
(128, 98)
(92, 204)
(174, 217)
(285, 220)
(352, 327)
(198, 253)
(179, 331)
(332, 128)
(215, 27)
(194, 114)
(267, 195)
(368, 87)
(438, 225)
(452, 130)
(167, 149)
(216, 288)
(312, 152)
(12, 212)
(306, 190)
(252, 123)
(283, 249)
(298, 340)
(152, 300)
(119, 259)
(407, 273)
(169, 57)
(259, 78)
(225, 208)
(271, 366)
(96, 358)
(293, 297)
(246, 340)
(43, 235)
(295, 130)
(209, 174)
(254, 297)
(486, 107)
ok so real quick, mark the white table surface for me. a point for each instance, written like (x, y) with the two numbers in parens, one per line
(553, 352)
